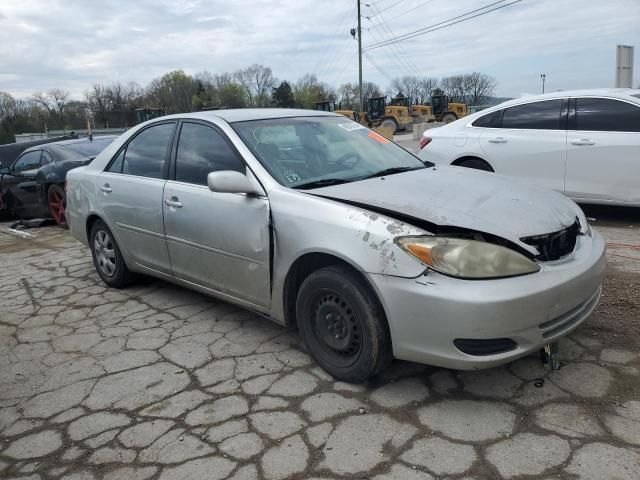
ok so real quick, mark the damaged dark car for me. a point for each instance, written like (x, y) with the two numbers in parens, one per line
(33, 186)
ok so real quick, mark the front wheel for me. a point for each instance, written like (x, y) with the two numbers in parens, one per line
(107, 257)
(343, 324)
(388, 123)
(57, 203)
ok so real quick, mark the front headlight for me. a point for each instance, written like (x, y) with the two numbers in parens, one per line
(467, 258)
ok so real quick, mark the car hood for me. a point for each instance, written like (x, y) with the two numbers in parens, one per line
(464, 198)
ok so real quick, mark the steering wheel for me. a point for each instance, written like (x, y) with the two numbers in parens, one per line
(343, 160)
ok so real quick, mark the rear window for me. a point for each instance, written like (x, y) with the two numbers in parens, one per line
(535, 116)
(490, 120)
(81, 150)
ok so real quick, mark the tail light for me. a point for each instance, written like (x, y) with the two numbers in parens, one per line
(424, 141)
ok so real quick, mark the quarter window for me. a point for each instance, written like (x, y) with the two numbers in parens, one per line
(490, 120)
(202, 150)
(28, 161)
(537, 116)
(46, 158)
(606, 115)
(145, 155)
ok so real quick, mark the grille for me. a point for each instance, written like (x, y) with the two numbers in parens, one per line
(553, 246)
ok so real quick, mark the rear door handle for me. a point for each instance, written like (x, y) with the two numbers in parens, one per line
(498, 140)
(583, 141)
(106, 188)
(173, 202)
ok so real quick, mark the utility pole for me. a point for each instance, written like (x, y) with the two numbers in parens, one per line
(543, 77)
(360, 60)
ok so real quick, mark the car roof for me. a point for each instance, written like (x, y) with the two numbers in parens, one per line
(245, 114)
(622, 93)
(74, 141)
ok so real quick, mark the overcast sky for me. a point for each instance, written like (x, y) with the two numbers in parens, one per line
(72, 44)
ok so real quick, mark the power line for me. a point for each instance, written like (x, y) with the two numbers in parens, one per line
(388, 8)
(377, 67)
(346, 17)
(411, 9)
(401, 52)
(444, 24)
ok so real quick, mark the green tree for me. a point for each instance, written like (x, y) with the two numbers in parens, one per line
(282, 96)
(174, 91)
(309, 90)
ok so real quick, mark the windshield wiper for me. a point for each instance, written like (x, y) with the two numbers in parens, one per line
(391, 171)
(323, 182)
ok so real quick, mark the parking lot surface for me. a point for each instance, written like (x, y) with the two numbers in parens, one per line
(158, 382)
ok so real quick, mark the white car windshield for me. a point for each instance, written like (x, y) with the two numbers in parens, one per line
(311, 152)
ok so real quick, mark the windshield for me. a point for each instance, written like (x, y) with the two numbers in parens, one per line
(308, 152)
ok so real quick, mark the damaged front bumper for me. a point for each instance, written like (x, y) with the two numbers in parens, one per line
(474, 324)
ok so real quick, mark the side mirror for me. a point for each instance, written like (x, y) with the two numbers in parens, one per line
(5, 171)
(230, 181)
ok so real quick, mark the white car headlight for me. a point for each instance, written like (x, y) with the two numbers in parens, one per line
(467, 258)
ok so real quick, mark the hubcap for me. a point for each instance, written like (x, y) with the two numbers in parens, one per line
(105, 253)
(336, 327)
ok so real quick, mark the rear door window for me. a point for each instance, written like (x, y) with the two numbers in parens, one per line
(606, 115)
(146, 154)
(545, 115)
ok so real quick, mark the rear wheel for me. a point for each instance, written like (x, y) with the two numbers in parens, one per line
(57, 202)
(342, 324)
(107, 257)
(449, 117)
(475, 163)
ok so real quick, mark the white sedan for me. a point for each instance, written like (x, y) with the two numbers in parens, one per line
(584, 143)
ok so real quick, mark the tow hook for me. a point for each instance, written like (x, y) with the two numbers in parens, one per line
(550, 355)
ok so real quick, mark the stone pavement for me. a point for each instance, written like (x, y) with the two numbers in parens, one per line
(157, 382)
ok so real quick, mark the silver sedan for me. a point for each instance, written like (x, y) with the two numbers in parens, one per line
(315, 221)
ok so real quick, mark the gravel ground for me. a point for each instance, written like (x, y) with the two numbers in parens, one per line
(155, 381)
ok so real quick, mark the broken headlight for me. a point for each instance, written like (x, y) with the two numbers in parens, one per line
(467, 258)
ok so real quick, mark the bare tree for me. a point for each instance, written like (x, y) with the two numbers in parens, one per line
(60, 99)
(97, 98)
(53, 101)
(478, 87)
(426, 88)
(258, 81)
(408, 86)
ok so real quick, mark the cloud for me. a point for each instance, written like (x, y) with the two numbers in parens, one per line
(73, 44)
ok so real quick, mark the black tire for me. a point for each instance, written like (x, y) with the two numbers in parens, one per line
(388, 122)
(57, 203)
(476, 164)
(343, 324)
(449, 117)
(105, 251)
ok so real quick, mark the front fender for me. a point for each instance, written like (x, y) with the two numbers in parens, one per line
(304, 223)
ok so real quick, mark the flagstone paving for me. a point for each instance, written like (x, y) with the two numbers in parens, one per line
(157, 382)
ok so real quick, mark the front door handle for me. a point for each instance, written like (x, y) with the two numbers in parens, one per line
(173, 202)
(106, 188)
(498, 140)
(583, 141)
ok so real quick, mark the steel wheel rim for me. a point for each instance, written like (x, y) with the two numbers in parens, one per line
(105, 253)
(336, 329)
(57, 205)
